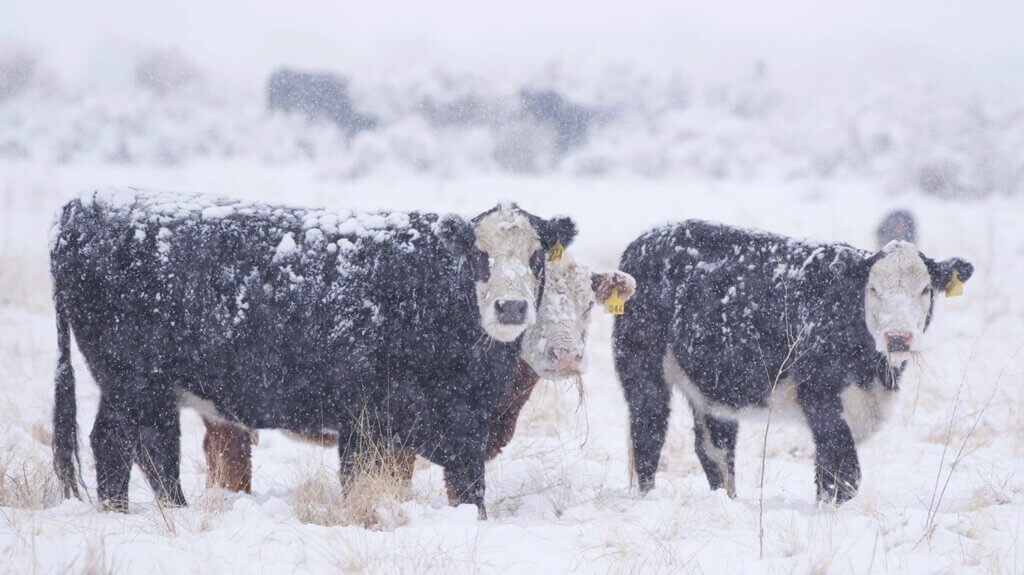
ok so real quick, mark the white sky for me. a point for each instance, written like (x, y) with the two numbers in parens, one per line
(966, 37)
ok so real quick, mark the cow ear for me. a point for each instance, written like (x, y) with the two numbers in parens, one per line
(604, 283)
(849, 263)
(455, 233)
(942, 272)
(559, 229)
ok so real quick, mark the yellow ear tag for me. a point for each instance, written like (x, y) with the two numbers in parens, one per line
(555, 254)
(614, 305)
(955, 287)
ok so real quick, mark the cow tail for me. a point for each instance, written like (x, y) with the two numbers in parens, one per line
(66, 462)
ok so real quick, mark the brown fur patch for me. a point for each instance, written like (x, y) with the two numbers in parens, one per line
(604, 283)
(228, 450)
(503, 421)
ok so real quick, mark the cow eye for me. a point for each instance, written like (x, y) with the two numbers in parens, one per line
(926, 290)
(537, 262)
(874, 291)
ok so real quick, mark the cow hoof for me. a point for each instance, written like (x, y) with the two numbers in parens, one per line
(115, 504)
(836, 495)
(481, 513)
(177, 501)
(646, 486)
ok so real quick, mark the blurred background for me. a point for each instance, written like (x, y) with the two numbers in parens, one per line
(921, 97)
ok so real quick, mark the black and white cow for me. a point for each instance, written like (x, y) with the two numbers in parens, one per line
(740, 320)
(379, 327)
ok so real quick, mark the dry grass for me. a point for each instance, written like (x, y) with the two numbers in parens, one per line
(27, 482)
(372, 498)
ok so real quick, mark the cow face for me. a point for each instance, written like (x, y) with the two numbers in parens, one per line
(899, 295)
(556, 345)
(506, 261)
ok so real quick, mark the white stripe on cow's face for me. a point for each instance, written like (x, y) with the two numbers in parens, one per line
(897, 301)
(509, 240)
(556, 344)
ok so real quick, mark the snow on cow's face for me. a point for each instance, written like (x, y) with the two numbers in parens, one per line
(900, 294)
(898, 300)
(556, 345)
(507, 262)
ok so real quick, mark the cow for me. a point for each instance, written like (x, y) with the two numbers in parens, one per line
(741, 321)
(553, 347)
(385, 328)
(571, 122)
(896, 225)
(320, 96)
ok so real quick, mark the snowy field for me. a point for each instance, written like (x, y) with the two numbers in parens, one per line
(676, 136)
(943, 481)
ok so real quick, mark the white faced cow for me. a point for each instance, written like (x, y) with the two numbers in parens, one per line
(739, 320)
(362, 325)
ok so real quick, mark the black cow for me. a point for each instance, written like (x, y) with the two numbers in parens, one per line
(741, 320)
(896, 225)
(320, 96)
(571, 122)
(393, 328)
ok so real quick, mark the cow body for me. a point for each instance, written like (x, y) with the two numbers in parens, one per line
(553, 347)
(320, 96)
(361, 325)
(741, 321)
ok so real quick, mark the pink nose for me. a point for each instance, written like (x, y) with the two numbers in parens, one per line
(898, 340)
(568, 360)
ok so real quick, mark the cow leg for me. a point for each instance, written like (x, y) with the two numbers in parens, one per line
(643, 382)
(465, 484)
(113, 449)
(159, 446)
(715, 444)
(228, 450)
(837, 469)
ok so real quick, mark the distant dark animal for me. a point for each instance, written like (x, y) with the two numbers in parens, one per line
(571, 122)
(740, 320)
(896, 225)
(320, 96)
(381, 328)
(553, 347)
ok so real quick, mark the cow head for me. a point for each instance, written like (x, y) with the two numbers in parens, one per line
(556, 344)
(504, 250)
(899, 285)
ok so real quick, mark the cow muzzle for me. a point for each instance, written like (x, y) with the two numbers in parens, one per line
(568, 361)
(511, 311)
(898, 341)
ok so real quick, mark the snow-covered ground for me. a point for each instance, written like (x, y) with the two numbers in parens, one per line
(943, 486)
(943, 482)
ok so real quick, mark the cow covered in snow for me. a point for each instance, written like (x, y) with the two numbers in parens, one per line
(553, 347)
(381, 328)
(741, 321)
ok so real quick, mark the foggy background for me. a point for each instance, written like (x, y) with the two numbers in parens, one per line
(921, 96)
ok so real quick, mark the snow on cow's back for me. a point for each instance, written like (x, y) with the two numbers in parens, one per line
(291, 230)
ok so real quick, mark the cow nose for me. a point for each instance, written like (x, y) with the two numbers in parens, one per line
(898, 340)
(568, 360)
(511, 311)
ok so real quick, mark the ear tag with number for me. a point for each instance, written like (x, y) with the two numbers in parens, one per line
(555, 254)
(955, 287)
(614, 305)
